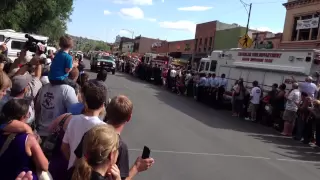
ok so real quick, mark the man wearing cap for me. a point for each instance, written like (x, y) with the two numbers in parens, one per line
(20, 88)
(35, 68)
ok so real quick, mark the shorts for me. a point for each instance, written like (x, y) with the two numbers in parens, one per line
(253, 107)
(289, 116)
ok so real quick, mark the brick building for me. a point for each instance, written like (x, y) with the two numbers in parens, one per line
(205, 37)
(301, 28)
(143, 44)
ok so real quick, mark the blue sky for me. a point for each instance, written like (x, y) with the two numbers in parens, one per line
(168, 19)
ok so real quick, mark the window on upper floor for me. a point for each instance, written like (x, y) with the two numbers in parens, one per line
(305, 28)
(200, 42)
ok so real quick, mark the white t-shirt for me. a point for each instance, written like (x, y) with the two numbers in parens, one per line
(293, 98)
(173, 73)
(77, 127)
(53, 100)
(255, 94)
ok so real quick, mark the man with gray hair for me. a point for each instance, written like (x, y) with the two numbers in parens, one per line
(307, 86)
(290, 113)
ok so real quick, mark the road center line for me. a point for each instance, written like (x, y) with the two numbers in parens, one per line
(205, 154)
(230, 155)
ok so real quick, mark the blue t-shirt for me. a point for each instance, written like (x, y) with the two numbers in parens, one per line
(61, 61)
(76, 109)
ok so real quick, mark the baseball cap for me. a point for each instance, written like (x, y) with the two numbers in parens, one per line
(19, 83)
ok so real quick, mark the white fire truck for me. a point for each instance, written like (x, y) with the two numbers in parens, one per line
(265, 66)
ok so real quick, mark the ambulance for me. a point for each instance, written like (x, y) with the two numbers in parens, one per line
(265, 66)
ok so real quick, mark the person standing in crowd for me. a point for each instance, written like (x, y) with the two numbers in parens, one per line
(101, 77)
(308, 86)
(239, 95)
(223, 82)
(95, 98)
(100, 146)
(22, 152)
(278, 107)
(255, 96)
(51, 102)
(201, 86)
(213, 90)
(196, 78)
(119, 112)
(19, 90)
(290, 113)
(84, 78)
(302, 115)
(173, 74)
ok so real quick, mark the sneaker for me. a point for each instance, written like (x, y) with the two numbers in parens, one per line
(247, 119)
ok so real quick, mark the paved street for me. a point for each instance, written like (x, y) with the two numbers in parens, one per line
(192, 142)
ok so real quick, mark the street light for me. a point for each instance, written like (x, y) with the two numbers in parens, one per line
(132, 32)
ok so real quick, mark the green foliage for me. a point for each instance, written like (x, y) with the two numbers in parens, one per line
(45, 17)
(85, 44)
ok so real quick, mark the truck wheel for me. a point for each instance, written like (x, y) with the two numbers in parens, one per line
(113, 72)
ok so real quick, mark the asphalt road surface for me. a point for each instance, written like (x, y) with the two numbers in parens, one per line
(192, 142)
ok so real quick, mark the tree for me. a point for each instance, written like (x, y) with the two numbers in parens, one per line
(45, 17)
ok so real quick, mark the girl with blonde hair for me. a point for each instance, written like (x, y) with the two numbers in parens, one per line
(100, 153)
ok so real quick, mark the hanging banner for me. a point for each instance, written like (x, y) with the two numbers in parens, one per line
(308, 23)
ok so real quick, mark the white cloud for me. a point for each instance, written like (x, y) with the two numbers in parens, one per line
(179, 25)
(151, 19)
(195, 8)
(133, 13)
(134, 2)
(106, 12)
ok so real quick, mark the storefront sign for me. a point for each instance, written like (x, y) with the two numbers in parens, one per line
(259, 57)
(308, 23)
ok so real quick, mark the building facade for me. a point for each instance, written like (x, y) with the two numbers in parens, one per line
(143, 44)
(228, 38)
(204, 39)
(301, 27)
(161, 47)
(127, 47)
(184, 46)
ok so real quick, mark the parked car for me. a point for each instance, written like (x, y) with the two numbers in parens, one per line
(103, 62)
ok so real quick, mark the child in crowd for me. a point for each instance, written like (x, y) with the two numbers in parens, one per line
(62, 63)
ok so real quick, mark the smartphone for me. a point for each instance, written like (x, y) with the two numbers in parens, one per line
(146, 152)
(7, 40)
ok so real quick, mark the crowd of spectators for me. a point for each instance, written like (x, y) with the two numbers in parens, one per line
(63, 126)
(292, 109)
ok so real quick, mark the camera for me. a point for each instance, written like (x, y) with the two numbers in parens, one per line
(31, 44)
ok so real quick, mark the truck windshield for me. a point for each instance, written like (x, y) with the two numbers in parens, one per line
(213, 66)
(106, 58)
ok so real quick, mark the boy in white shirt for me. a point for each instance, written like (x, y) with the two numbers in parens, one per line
(255, 95)
(95, 96)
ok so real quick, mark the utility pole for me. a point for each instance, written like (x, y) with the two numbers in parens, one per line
(248, 19)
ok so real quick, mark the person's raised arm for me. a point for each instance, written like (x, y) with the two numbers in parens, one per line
(16, 126)
(139, 166)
